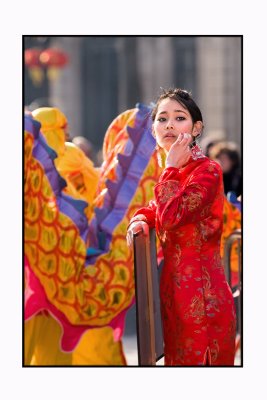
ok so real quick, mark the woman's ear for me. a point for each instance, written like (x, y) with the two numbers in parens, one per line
(197, 129)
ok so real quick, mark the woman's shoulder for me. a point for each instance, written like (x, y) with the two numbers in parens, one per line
(210, 165)
(203, 165)
(206, 166)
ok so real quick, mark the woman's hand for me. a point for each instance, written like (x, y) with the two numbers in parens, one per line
(134, 228)
(179, 152)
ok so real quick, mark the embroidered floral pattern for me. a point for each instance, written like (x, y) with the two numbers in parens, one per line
(192, 200)
(162, 237)
(167, 191)
(196, 309)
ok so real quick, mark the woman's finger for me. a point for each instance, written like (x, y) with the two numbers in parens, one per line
(129, 238)
(145, 228)
(139, 227)
(186, 139)
(134, 229)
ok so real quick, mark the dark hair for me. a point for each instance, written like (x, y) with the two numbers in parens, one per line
(183, 97)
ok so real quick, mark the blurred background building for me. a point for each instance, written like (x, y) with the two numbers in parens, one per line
(103, 76)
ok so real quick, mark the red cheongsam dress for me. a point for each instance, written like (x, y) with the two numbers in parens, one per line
(197, 307)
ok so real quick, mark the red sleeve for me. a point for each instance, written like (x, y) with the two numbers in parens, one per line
(178, 205)
(146, 214)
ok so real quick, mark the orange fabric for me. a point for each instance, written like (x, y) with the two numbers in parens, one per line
(231, 222)
(80, 174)
(53, 124)
(42, 339)
(117, 133)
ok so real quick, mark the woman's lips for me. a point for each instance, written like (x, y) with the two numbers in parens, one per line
(169, 136)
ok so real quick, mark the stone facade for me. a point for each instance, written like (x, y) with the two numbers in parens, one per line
(108, 75)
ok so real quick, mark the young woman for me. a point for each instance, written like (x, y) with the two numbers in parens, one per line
(197, 305)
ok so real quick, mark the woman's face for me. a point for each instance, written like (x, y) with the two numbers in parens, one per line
(172, 118)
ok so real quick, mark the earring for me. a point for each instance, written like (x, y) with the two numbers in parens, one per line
(196, 150)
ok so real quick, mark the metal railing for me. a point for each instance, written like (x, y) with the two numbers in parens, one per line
(232, 238)
(235, 237)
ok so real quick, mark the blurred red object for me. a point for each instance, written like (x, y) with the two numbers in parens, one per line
(32, 62)
(32, 57)
(53, 58)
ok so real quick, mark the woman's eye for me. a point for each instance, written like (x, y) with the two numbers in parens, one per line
(162, 119)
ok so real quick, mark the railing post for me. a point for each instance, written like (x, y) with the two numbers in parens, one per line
(149, 332)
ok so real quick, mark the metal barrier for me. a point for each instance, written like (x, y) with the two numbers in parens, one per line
(148, 318)
(234, 237)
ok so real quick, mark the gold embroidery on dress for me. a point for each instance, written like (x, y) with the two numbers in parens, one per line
(214, 350)
(177, 277)
(162, 237)
(196, 310)
(192, 200)
(209, 294)
(167, 191)
(211, 168)
(206, 211)
(208, 227)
